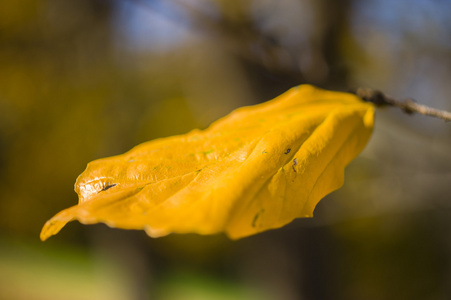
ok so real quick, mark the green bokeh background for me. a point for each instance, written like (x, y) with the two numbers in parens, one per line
(85, 79)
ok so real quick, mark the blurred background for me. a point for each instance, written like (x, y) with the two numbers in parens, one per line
(85, 79)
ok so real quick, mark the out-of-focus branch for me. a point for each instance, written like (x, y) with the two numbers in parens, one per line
(242, 39)
(407, 105)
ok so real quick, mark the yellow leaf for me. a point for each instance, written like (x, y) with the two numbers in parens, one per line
(256, 169)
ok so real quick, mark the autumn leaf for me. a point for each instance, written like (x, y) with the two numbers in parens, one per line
(256, 169)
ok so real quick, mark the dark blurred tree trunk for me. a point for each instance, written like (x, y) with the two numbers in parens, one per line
(336, 22)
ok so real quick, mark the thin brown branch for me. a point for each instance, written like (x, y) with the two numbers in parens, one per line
(407, 105)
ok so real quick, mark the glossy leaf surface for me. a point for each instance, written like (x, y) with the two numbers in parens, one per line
(256, 169)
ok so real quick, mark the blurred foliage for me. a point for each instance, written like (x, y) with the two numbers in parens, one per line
(85, 79)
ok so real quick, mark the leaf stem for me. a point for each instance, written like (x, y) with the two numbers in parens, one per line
(407, 105)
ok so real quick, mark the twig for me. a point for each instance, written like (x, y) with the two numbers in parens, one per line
(407, 105)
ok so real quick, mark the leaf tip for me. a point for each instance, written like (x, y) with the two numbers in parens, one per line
(51, 227)
(55, 224)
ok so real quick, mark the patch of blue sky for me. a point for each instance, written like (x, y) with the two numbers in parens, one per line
(151, 25)
(423, 20)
